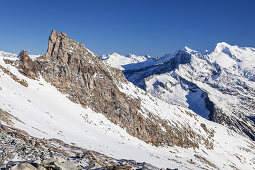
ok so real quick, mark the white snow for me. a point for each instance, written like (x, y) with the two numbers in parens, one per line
(189, 50)
(174, 92)
(34, 57)
(117, 61)
(8, 55)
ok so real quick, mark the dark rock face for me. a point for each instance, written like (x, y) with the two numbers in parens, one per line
(76, 71)
(27, 66)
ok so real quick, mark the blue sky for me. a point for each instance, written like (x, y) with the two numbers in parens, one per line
(153, 27)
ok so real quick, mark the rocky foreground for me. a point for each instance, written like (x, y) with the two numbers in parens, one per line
(20, 151)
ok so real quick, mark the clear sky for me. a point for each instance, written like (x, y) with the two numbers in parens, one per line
(153, 27)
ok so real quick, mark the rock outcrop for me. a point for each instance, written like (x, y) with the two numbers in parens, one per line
(27, 66)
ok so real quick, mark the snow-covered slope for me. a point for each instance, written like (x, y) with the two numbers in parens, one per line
(176, 90)
(44, 112)
(218, 86)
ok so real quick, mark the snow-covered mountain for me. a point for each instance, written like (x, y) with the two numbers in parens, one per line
(218, 86)
(237, 60)
(69, 94)
(117, 61)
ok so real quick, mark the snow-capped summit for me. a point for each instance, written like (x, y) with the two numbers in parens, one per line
(221, 46)
(238, 60)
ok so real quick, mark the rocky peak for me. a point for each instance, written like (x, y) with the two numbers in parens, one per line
(27, 65)
(57, 41)
(23, 55)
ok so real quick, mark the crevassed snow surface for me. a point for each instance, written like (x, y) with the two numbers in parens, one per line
(46, 113)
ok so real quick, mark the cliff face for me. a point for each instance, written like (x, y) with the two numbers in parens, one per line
(76, 71)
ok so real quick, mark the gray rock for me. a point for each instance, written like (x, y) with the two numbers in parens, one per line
(60, 160)
(40, 167)
(49, 161)
(23, 166)
(27, 66)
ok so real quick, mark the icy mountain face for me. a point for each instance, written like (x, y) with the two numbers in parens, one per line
(218, 86)
(86, 104)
